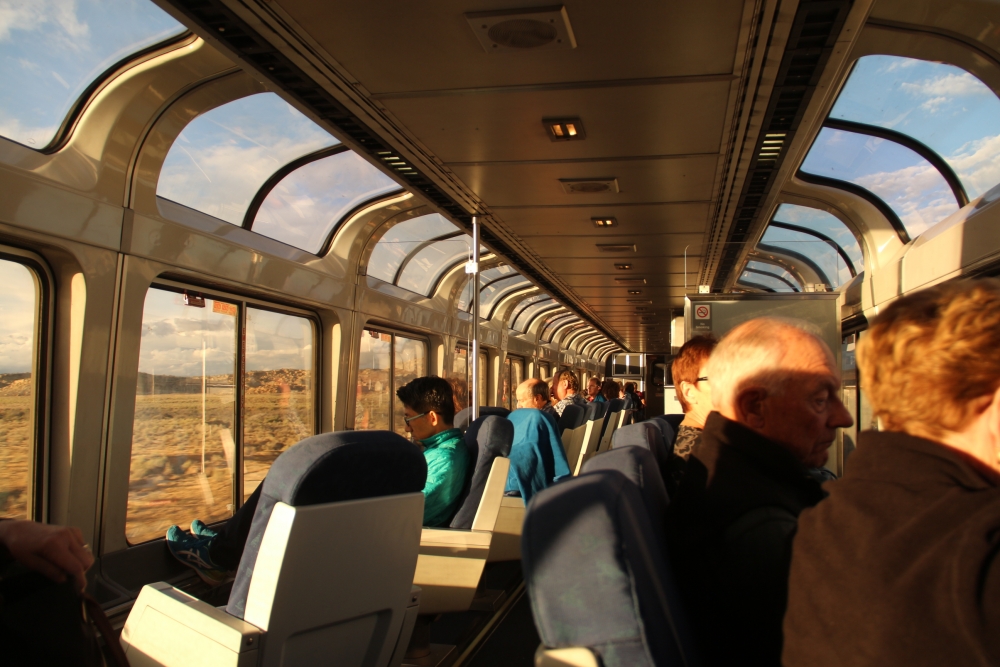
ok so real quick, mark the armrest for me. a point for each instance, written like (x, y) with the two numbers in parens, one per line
(512, 502)
(169, 627)
(566, 657)
(454, 539)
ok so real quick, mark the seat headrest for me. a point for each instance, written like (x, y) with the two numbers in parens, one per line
(572, 416)
(616, 405)
(595, 410)
(328, 468)
(641, 468)
(464, 415)
(597, 575)
(492, 436)
(667, 430)
(644, 435)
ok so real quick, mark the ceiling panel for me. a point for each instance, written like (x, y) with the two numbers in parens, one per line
(643, 181)
(406, 46)
(619, 122)
(576, 219)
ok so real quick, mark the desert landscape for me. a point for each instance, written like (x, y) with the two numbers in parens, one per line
(16, 434)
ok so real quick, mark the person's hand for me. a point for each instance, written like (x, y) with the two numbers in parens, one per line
(55, 551)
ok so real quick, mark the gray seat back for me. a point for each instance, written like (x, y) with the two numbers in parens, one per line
(489, 437)
(328, 468)
(598, 577)
(464, 416)
(640, 466)
(572, 417)
(647, 436)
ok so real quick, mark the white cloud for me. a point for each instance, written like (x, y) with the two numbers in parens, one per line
(977, 164)
(947, 86)
(918, 193)
(51, 16)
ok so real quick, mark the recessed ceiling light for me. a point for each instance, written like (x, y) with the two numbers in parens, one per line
(606, 221)
(635, 291)
(623, 267)
(564, 129)
(616, 247)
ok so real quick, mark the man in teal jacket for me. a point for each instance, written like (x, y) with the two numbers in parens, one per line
(429, 414)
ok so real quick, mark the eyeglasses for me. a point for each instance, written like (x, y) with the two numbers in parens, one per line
(407, 420)
(697, 380)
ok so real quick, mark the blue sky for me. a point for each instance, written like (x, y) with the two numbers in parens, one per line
(402, 239)
(819, 251)
(51, 50)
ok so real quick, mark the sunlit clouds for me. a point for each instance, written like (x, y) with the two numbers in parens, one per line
(18, 311)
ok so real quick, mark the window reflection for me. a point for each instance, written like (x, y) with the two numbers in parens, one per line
(183, 449)
(428, 265)
(19, 302)
(278, 390)
(829, 226)
(409, 363)
(374, 395)
(53, 51)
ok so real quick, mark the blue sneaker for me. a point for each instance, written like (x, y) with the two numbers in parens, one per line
(201, 530)
(192, 550)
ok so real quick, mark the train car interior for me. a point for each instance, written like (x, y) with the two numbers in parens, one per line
(227, 226)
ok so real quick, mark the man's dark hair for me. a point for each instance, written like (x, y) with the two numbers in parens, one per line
(429, 393)
(539, 388)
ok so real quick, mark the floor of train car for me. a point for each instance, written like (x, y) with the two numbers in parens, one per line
(502, 636)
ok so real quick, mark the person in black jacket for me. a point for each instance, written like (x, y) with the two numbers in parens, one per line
(775, 388)
(901, 564)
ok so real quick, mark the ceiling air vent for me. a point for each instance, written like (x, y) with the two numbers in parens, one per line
(588, 186)
(630, 281)
(520, 29)
(616, 247)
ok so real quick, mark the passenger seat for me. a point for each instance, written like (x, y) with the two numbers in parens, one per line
(327, 573)
(600, 585)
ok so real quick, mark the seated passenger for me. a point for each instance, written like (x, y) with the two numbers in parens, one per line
(566, 385)
(537, 458)
(534, 393)
(57, 552)
(610, 390)
(901, 564)
(632, 400)
(429, 412)
(693, 391)
(594, 391)
(776, 389)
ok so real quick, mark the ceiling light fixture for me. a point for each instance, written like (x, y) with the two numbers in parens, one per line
(630, 281)
(635, 291)
(623, 267)
(607, 221)
(564, 129)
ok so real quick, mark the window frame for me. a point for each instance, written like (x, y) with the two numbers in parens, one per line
(41, 364)
(243, 301)
(373, 325)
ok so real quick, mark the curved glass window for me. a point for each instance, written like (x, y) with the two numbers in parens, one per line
(485, 277)
(546, 319)
(915, 191)
(526, 315)
(223, 157)
(824, 228)
(771, 276)
(303, 209)
(942, 106)
(524, 304)
(52, 51)
(426, 266)
(551, 325)
(490, 295)
(401, 240)
(569, 332)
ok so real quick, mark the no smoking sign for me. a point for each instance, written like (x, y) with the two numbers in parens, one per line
(703, 312)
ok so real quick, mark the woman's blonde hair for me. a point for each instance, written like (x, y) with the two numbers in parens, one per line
(929, 355)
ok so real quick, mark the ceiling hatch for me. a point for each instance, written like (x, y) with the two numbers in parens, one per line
(521, 29)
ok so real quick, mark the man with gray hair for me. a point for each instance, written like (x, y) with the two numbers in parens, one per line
(775, 390)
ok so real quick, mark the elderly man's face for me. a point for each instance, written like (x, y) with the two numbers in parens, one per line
(526, 398)
(593, 387)
(805, 415)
